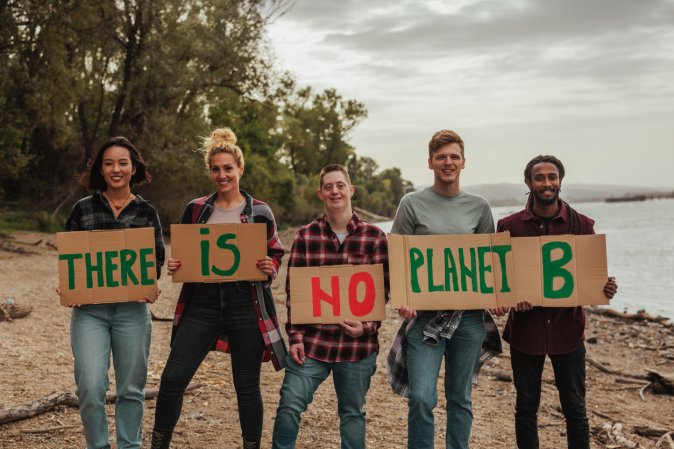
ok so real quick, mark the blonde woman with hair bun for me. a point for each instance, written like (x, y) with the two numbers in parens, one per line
(234, 317)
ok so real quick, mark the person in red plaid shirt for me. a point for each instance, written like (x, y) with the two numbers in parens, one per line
(236, 317)
(348, 349)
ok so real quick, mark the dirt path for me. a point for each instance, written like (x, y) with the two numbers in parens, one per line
(35, 360)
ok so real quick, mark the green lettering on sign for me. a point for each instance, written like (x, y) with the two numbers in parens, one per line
(432, 287)
(450, 272)
(554, 268)
(145, 265)
(204, 253)
(468, 272)
(110, 267)
(502, 250)
(98, 268)
(222, 243)
(416, 262)
(481, 251)
(70, 258)
(127, 259)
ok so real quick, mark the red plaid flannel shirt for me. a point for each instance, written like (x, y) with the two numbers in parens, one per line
(198, 211)
(315, 245)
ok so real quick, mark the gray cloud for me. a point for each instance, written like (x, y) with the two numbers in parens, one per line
(609, 40)
(525, 68)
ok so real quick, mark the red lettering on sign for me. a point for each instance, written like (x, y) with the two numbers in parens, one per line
(318, 295)
(361, 308)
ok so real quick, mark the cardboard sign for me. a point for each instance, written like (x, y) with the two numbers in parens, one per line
(477, 271)
(218, 252)
(334, 293)
(107, 266)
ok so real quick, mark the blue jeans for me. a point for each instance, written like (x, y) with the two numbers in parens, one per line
(125, 329)
(352, 380)
(462, 353)
(570, 381)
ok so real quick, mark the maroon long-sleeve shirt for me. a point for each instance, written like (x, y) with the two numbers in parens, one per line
(546, 330)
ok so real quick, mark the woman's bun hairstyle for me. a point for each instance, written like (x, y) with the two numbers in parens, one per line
(221, 140)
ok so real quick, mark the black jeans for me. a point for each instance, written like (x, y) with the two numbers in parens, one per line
(212, 309)
(570, 381)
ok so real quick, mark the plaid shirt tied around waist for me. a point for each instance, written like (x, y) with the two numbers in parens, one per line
(442, 325)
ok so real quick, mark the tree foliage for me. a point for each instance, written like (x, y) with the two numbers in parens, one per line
(74, 72)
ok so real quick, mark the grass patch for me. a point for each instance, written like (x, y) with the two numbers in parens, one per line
(39, 221)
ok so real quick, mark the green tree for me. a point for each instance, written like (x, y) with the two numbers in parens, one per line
(316, 127)
(77, 73)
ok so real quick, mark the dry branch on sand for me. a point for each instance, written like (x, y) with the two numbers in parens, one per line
(641, 315)
(57, 399)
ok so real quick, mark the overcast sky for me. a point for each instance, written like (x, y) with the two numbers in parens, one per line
(590, 81)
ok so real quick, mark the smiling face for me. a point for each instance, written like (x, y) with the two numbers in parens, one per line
(545, 183)
(447, 163)
(336, 191)
(225, 173)
(117, 168)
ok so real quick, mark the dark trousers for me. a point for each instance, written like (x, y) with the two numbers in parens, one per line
(212, 309)
(570, 381)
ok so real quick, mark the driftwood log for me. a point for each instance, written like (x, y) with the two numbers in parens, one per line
(641, 315)
(6, 245)
(48, 429)
(9, 312)
(503, 376)
(650, 432)
(661, 383)
(666, 438)
(68, 399)
(608, 370)
(614, 434)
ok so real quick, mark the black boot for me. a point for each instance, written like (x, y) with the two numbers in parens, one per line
(161, 440)
(251, 444)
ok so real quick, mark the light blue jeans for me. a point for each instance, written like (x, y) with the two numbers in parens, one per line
(461, 353)
(96, 330)
(351, 379)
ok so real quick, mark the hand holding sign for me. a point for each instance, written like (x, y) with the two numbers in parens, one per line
(407, 312)
(266, 265)
(353, 329)
(173, 265)
(499, 311)
(611, 287)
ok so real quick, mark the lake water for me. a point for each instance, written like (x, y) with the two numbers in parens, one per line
(640, 248)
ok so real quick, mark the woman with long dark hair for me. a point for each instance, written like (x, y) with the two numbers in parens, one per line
(237, 317)
(123, 328)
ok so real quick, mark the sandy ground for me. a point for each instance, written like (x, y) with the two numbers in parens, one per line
(36, 360)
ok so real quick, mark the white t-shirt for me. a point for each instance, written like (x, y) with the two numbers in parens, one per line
(231, 215)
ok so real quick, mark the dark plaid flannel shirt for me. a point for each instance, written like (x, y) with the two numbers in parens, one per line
(316, 245)
(93, 213)
(255, 211)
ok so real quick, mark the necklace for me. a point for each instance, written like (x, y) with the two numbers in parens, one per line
(113, 203)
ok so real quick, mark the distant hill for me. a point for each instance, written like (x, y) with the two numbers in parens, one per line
(514, 194)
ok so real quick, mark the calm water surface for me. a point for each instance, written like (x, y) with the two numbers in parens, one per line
(640, 247)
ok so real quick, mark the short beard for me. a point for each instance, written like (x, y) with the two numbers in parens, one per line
(545, 201)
